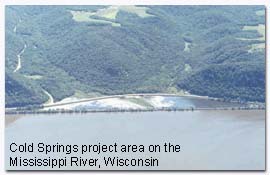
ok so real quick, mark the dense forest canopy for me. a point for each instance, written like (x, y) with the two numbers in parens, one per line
(217, 51)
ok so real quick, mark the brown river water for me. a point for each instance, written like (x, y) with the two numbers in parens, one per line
(209, 140)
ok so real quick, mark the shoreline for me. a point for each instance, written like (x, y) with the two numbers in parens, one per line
(121, 103)
(132, 110)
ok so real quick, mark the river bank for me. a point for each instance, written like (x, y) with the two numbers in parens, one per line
(138, 103)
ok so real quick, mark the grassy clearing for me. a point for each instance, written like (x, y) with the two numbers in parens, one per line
(259, 28)
(112, 11)
(187, 68)
(260, 13)
(33, 77)
(140, 11)
(258, 46)
(82, 16)
(109, 13)
(116, 24)
(187, 47)
(140, 101)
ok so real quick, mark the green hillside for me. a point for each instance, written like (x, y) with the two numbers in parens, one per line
(217, 51)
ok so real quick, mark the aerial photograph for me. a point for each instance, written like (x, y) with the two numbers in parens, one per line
(136, 75)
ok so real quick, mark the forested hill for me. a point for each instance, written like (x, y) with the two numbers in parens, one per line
(58, 51)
